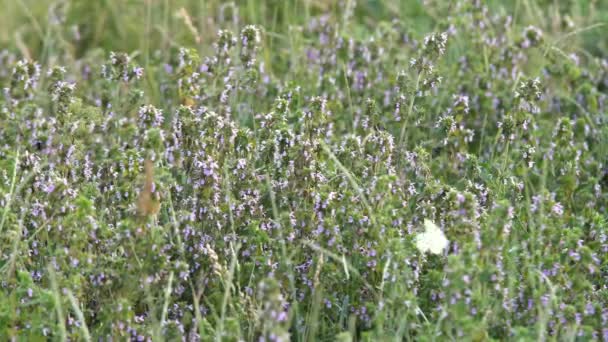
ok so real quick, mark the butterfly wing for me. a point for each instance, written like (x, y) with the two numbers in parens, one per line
(432, 240)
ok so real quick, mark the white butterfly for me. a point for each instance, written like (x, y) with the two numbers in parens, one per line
(432, 240)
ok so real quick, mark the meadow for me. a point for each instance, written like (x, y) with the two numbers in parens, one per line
(303, 170)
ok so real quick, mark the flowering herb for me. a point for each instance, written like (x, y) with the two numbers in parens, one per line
(216, 180)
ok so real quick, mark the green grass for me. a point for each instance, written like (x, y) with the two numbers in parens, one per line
(295, 169)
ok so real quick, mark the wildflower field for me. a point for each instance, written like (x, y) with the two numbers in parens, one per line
(303, 170)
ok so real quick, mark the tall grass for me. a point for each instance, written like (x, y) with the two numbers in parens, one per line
(298, 147)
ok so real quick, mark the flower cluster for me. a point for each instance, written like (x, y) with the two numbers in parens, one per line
(355, 182)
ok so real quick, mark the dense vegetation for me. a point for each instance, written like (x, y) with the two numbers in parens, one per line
(304, 170)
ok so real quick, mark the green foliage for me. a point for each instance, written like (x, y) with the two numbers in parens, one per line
(296, 150)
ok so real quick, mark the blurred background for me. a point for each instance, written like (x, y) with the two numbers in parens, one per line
(45, 29)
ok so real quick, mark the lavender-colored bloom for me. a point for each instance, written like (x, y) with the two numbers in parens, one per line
(557, 209)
